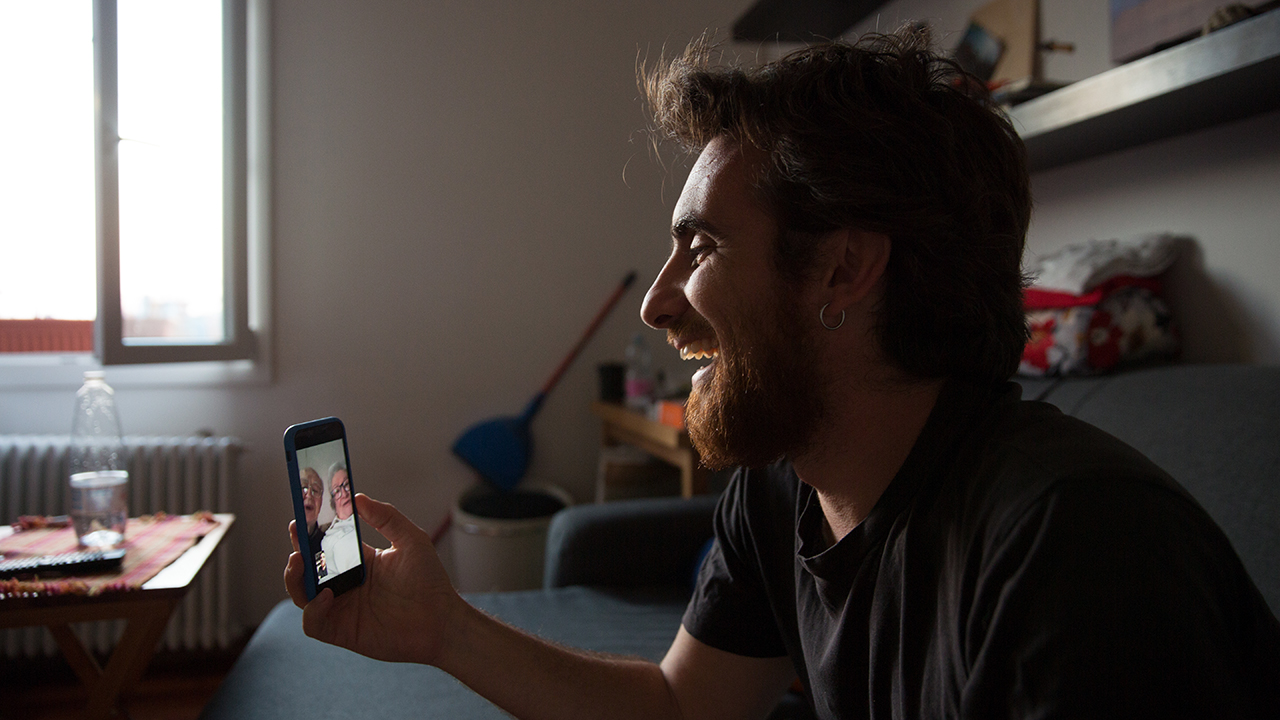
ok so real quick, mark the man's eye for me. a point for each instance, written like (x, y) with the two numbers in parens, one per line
(699, 253)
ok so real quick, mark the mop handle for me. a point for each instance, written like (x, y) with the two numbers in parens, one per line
(591, 329)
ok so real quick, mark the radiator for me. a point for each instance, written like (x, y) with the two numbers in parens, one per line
(171, 474)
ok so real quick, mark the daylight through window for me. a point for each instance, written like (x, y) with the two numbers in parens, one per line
(143, 233)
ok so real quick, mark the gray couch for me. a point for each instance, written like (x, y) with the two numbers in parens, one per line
(618, 574)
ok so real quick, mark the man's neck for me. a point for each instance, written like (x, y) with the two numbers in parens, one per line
(866, 437)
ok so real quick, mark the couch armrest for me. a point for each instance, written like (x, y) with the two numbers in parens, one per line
(628, 543)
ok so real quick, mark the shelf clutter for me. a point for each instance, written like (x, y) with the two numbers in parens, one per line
(1231, 74)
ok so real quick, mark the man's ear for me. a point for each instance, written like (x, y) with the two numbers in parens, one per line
(858, 259)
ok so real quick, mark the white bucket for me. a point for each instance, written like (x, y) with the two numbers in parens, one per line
(503, 553)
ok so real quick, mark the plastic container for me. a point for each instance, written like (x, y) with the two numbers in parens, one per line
(500, 537)
(639, 383)
(98, 478)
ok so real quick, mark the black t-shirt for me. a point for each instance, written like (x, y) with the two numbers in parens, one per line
(1021, 564)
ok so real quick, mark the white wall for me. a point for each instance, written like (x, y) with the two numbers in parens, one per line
(458, 187)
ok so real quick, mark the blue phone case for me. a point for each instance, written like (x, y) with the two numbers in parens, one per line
(299, 437)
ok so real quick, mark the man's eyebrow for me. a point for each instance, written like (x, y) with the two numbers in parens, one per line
(690, 225)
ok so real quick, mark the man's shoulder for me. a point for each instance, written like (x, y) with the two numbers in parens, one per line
(1041, 445)
(989, 434)
(1044, 487)
(1035, 456)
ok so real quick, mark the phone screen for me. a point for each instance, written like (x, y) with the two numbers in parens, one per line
(327, 529)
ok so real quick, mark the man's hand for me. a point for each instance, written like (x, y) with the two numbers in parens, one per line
(400, 612)
(407, 610)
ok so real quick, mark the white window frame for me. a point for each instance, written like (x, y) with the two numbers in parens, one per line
(245, 355)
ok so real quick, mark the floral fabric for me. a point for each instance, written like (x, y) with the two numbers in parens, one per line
(1129, 324)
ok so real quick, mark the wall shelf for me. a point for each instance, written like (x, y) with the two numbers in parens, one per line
(1229, 75)
(801, 20)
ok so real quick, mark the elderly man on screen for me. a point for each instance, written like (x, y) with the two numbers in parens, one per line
(312, 497)
(904, 535)
(341, 551)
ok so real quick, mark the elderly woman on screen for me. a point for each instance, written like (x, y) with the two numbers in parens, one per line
(340, 544)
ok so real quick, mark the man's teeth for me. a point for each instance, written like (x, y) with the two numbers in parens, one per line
(699, 350)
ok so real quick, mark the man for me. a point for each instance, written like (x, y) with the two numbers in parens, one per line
(341, 551)
(905, 535)
(312, 497)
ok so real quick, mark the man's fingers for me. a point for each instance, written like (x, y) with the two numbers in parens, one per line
(293, 580)
(389, 521)
(293, 534)
(315, 614)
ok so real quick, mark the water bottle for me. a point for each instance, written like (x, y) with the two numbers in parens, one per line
(639, 381)
(99, 477)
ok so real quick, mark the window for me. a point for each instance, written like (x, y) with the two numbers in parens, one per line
(131, 220)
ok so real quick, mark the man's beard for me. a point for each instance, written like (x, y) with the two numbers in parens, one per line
(763, 400)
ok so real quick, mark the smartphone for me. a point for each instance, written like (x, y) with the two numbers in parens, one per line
(324, 505)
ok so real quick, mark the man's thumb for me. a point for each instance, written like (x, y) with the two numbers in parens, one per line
(388, 521)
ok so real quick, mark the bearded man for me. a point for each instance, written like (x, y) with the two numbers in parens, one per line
(905, 535)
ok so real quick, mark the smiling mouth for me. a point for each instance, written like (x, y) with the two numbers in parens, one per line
(700, 350)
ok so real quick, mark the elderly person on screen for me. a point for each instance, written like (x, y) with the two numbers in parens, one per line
(312, 497)
(341, 551)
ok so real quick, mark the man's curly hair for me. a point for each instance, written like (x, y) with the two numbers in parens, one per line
(885, 136)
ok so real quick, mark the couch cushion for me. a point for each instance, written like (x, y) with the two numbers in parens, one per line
(1216, 430)
(628, 543)
(284, 674)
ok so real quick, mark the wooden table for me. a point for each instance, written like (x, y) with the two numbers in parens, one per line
(667, 443)
(146, 611)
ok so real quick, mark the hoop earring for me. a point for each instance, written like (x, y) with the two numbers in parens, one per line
(822, 318)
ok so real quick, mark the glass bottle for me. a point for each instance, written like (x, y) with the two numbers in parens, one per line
(99, 478)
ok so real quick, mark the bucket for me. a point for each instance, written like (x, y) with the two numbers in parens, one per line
(500, 537)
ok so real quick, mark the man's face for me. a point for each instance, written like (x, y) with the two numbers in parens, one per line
(719, 296)
(341, 491)
(313, 494)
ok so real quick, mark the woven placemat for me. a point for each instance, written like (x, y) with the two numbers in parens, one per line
(151, 542)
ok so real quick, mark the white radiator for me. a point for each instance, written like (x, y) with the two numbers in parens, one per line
(171, 474)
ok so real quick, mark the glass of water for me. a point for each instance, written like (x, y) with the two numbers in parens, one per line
(100, 507)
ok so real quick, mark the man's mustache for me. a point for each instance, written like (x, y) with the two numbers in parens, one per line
(691, 324)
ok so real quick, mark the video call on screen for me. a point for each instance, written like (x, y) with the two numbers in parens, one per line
(330, 509)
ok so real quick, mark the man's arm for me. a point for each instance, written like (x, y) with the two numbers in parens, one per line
(531, 678)
(408, 611)
(710, 683)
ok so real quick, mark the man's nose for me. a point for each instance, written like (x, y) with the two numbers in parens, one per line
(665, 300)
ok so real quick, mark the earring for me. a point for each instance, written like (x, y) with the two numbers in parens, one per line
(822, 318)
